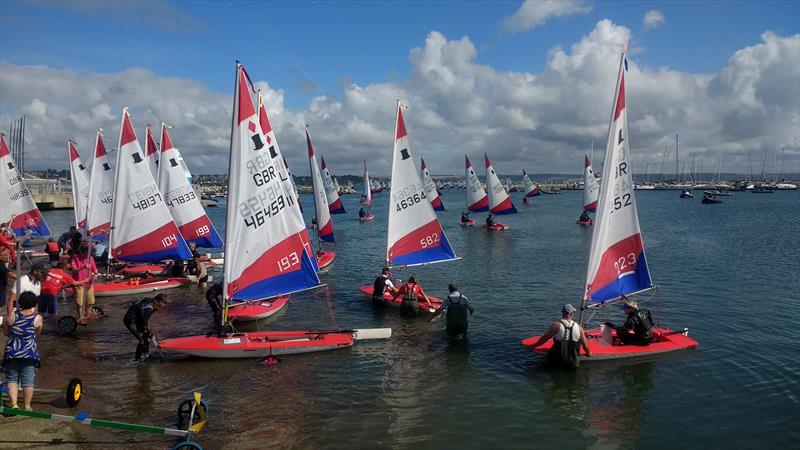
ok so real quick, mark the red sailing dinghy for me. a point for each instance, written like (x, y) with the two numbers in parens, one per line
(323, 212)
(414, 237)
(617, 263)
(267, 248)
(530, 189)
(499, 200)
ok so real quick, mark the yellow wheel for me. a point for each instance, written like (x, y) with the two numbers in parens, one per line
(73, 393)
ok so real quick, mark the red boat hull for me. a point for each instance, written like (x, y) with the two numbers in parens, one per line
(367, 218)
(129, 287)
(256, 310)
(467, 224)
(436, 302)
(496, 227)
(325, 259)
(257, 344)
(665, 341)
(585, 223)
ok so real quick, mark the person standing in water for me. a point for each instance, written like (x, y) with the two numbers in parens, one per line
(567, 335)
(456, 307)
(136, 321)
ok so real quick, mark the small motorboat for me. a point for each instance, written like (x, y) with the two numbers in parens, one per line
(710, 197)
(686, 194)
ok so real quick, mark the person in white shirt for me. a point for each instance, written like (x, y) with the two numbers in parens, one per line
(31, 282)
(567, 335)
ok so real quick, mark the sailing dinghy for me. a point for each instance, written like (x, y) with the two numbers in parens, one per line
(331, 190)
(414, 236)
(267, 251)
(323, 213)
(499, 200)
(151, 151)
(477, 200)
(430, 189)
(79, 177)
(617, 264)
(366, 197)
(531, 190)
(101, 193)
(17, 207)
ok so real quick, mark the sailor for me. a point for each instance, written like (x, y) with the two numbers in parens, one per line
(362, 213)
(584, 217)
(490, 220)
(567, 335)
(412, 293)
(53, 250)
(136, 321)
(214, 299)
(455, 308)
(525, 200)
(54, 281)
(465, 217)
(65, 237)
(637, 330)
(196, 265)
(381, 285)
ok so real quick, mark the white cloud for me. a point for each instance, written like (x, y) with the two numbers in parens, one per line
(543, 121)
(535, 13)
(653, 19)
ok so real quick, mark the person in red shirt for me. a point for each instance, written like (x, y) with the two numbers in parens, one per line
(412, 293)
(8, 241)
(55, 280)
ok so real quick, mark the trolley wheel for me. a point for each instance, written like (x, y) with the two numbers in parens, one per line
(184, 409)
(66, 325)
(186, 445)
(97, 312)
(74, 392)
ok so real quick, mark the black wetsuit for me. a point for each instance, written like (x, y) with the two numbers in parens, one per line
(641, 323)
(457, 307)
(135, 321)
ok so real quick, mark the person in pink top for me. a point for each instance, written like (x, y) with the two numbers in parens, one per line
(83, 269)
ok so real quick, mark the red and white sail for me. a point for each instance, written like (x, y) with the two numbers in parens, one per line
(430, 188)
(17, 207)
(477, 200)
(101, 192)
(617, 264)
(366, 197)
(589, 187)
(331, 190)
(151, 152)
(530, 189)
(265, 251)
(79, 176)
(142, 228)
(180, 198)
(415, 235)
(294, 185)
(499, 201)
(323, 214)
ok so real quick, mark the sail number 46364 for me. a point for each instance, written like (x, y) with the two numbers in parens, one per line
(429, 241)
(403, 203)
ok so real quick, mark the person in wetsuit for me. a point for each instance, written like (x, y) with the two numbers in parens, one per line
(382, 284)
(637, 330)
(465, 217)
(456, 307)
(490, 220)
(584, 217)
(136, 321)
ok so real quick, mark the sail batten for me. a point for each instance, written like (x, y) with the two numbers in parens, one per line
(414, 234)
(617, 264)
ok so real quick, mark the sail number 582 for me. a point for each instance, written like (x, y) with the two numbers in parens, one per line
(429, 241)
(288, 261)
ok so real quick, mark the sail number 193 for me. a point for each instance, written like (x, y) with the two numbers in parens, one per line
(288, 261)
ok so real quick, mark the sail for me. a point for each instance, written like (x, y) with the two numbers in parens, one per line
(477, 200)
(294, 185)
(101, 193)
(285, 176)
(530, 189)
(336, 183)
(142, 227)
(182, 201)
(324, 220)
(415, 235)
(79, 176)
(331, 190)
(151, 152)
(367, 196)
(589, 187)
(617, 263)
(499, 201)
(430, 189)
(17, 207)
(265, 253)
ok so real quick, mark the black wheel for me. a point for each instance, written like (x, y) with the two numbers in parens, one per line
(66, 325)
(74, 392)
(186, 445)
(184, 409)
(97, 311)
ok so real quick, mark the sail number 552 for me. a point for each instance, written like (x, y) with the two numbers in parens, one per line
(429, 241)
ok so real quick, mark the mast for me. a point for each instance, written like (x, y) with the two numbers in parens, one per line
(389, 214)
(676, 158)
(228, 218)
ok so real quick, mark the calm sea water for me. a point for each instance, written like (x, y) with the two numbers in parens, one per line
(728, 272)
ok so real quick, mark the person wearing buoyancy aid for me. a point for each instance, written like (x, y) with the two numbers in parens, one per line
(637, 330)
(412, 293)
(568, 336)
(53, 250)
(456, 307)
(136, 321)
(382, 284)
(490, 220)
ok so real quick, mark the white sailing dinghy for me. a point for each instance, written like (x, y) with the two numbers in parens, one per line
(151, 151)
(101, 193)
(331, 189)
(17, 207)
(79, 177)
(366, 197)
(589, 190)
(414, 236)
(499, 200)
(323, 213)
(617, 264)
(531, 190)
(431, 189)
(266, 252)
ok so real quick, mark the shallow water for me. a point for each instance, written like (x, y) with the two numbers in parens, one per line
(728, 272)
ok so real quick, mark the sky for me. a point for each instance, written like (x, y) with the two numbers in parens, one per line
(530, 83)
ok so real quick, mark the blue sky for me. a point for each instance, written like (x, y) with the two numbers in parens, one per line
(305, 50)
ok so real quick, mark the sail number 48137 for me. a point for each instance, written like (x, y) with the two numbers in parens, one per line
(429, 241)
